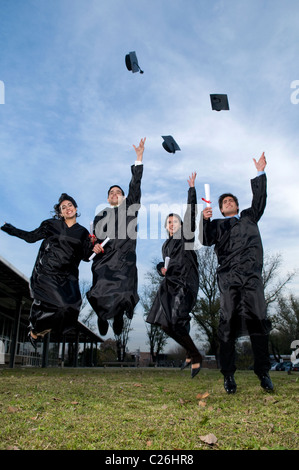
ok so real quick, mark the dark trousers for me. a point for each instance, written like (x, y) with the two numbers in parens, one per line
(259, 344)
(44, 317)
(184, 339)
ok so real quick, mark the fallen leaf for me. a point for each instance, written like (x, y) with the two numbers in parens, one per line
(209, 439)
(202, 395)
(201, 403)
(137, 385)
(74, 402)
(148, 443)
(34, 418)
(13, 409)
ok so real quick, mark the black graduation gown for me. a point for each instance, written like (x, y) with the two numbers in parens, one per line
(239, 250)
(54, 280)
(178, 290)
(114, 288)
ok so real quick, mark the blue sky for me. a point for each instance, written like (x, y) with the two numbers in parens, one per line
(72, 112)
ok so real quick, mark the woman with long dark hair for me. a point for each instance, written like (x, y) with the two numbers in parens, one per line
(178, 290)
(54, 283)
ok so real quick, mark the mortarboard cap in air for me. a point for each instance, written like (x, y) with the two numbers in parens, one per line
(132, 62)
(170, 144)
(219, 102)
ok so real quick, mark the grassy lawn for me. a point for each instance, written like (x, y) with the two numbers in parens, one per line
(146, 409)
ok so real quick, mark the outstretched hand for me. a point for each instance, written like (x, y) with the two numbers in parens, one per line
(191, 180)
(261, 163)
(140, 149)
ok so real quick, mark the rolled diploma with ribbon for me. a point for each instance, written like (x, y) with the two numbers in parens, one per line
(102, 245)
(91, 235)
(207, 195)
(166, 262)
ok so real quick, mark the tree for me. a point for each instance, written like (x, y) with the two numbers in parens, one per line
(157, 338)
(286, 325)
(107, 351)
(284, 310)
(122, 339)
(272, 284)
(207, 309)
(86, 317)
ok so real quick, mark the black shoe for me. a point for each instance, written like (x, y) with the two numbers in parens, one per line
(266, 382)
(118, 324)
(32, 340)
(230, 384)
(194, 371)
(103, 326)
(185, 364)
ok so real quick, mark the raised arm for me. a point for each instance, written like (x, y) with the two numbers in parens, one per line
(260, 165)
(134, 193)
(191, 180)
(189, 224)
(140, 149)
(259, 191)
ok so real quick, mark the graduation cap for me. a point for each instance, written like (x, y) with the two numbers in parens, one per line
(219, 102)
(170, 144)
(132, 62)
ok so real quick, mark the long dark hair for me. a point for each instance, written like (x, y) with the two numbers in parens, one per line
(173, 215)
(63, 197)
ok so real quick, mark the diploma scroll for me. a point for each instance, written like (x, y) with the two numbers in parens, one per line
(91, 235)
(102, 245)
(166, 262)
(207, 195)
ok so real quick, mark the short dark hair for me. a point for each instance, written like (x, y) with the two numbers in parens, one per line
(223, 196)
(116, 186)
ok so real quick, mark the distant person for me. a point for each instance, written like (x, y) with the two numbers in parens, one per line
(178, 290)
(114, 288)
(54, 283)
(239, 249)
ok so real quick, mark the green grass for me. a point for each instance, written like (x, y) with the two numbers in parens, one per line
(146, 409)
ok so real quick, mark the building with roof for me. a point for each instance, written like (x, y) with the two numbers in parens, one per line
(15, 347)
